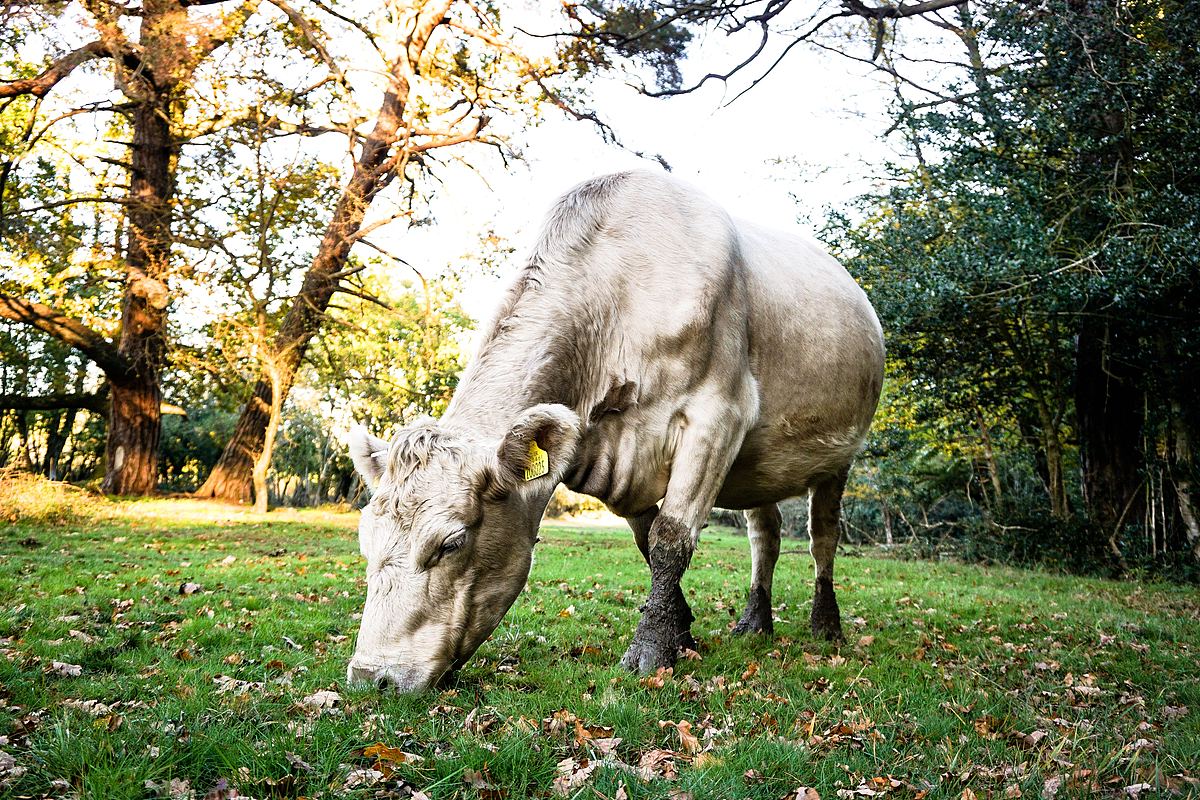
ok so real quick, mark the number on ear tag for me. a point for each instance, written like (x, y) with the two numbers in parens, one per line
(538, 464)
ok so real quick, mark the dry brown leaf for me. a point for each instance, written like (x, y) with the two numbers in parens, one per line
(688, 742)
(803, 793)
(321, 700)
(572, 774)
(658, 679)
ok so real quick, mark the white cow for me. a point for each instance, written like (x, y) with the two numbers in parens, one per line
(657, 354)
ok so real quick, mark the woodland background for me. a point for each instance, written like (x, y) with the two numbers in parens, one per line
(197, 294)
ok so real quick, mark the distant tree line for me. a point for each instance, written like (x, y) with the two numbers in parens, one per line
(1032, 251)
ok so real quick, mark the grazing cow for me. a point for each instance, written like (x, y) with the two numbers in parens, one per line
(657, 354)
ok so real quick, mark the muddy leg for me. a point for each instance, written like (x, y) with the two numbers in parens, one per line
(763, 533)
(707, 446)
(824, 513)
(665, 627)
(641, 525)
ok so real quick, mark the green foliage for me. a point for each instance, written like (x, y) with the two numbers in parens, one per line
(1054, 194)
(641, 31)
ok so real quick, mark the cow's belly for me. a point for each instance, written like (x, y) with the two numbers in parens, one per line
(781, 459)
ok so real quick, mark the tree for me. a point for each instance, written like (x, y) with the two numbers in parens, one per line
(1039, 251)
(153, 62)
(449, 70)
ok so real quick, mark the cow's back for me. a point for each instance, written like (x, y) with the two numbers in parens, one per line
(657, 287)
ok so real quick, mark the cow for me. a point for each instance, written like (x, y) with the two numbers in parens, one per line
(655, 353)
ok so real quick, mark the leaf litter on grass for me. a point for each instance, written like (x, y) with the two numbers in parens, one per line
(980, 684)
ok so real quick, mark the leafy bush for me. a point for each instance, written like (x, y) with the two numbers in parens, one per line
(566, 503)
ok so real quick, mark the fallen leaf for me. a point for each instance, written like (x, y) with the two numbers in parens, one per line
(362, 777)
(804, 793)
(657, 763)
(687, 740)
(606, 746)
(173, 789)
(322, 699)
(572, 774)
(297, 762)
(66, 670)
(658, 679)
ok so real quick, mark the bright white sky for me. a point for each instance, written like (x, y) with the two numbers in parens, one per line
(821, 113)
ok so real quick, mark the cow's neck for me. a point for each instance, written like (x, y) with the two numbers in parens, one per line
(547, 346)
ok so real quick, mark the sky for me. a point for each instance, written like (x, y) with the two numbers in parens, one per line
(806, 139)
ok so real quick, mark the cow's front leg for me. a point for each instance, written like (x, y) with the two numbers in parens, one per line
(708, 446)
(641, 526)
(763, 531)
(665, 627)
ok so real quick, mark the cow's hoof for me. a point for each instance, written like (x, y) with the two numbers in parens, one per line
(661, 635)
(826, 616)
(757, 616)
(646, 657)
(827, 628)
(748, 624)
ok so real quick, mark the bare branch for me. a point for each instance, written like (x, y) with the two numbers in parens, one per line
(858, 8)
(310, 35)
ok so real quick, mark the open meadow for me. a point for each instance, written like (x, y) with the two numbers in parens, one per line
(169, 648)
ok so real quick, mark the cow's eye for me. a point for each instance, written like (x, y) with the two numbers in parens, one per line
(453, 543)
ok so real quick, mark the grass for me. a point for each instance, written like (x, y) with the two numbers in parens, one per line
(199, 632)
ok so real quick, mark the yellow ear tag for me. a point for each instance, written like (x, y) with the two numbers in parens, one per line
(538, 464)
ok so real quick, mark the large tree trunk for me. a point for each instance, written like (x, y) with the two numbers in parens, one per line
(232, 476)
(135, 416)
(134, 426)
(262, 464)
(1109, 409)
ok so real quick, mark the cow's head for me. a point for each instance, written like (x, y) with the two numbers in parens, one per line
(448, 536)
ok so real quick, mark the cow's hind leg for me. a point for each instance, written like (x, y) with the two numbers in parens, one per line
(763, 531)
(641, 525)
(824, 514)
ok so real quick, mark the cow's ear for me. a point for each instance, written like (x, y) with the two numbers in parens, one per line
(369, 454)
(539, 448)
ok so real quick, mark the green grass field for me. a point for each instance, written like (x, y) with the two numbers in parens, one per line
(176, 649)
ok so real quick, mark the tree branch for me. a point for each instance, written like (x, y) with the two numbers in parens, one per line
(69, 331)
(861, 9)
(41, 85)
(96, 402)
